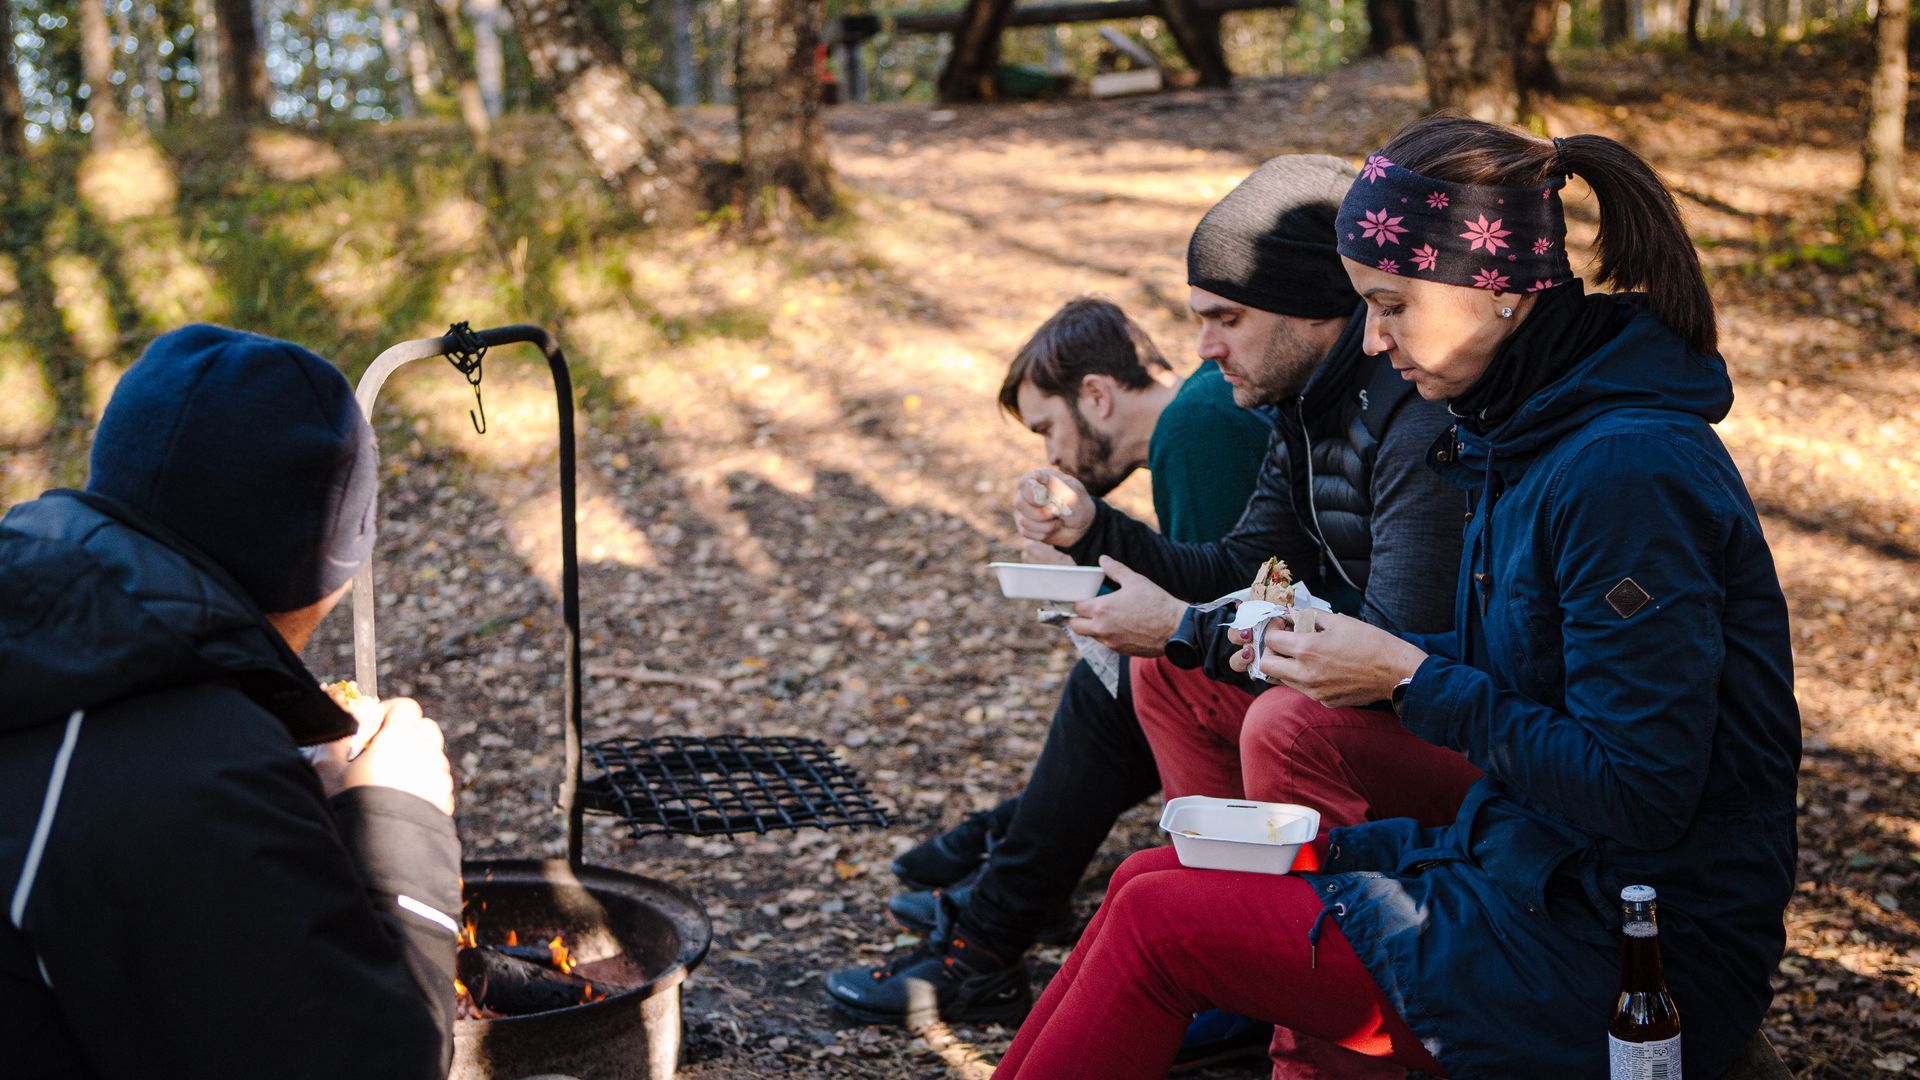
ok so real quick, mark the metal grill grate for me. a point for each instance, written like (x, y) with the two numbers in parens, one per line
(726, 785)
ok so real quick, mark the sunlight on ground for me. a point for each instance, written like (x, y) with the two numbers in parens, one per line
(452, 225)
(962, 1058)
(27, 406)
(604, 534)
(127, 182)
(80, 291)
(293, 158)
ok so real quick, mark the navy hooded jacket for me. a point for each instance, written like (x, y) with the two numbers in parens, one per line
(1620, 667)
(183, 900)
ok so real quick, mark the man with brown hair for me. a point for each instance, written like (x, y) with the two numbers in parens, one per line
(1093, 386)
(1091, 383)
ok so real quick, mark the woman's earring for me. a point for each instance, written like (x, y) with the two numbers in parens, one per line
(1506, 313)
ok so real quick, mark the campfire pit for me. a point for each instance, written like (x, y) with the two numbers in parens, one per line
(634, 938)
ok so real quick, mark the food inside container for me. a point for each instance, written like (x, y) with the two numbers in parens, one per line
(1042, 581)
(1238, 834)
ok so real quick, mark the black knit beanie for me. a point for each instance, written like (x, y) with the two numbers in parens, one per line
(1270, 243)
(251, 449)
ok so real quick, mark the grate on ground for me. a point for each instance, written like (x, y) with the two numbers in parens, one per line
(727, 785)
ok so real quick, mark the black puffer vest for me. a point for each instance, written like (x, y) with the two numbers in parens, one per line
(1332, 433)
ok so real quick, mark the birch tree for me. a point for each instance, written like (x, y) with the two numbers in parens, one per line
(622, 125)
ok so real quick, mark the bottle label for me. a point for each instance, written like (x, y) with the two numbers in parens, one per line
(1643, 1061)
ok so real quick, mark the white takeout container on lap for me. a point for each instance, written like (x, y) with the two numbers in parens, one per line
(1238, 834)
(1043, 581)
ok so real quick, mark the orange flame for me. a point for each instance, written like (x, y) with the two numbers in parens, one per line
(467, 938)
(562, 958)
(513, 938)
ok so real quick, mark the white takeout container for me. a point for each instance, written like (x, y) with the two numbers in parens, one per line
(1238, 834)
(1044, 581)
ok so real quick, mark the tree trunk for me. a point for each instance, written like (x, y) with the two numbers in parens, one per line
(1489, 58)
(395, 43)
(316, 90)
(1693, 26)
(1198, 36)
(420, 70)
(446, 49)
(13, 114)
(1391, 23)
(975, 52)
(622, 125)
(686, 77)
(783, 152)
(96, 66)
(244, 90)
(489, 62)
(206, 57)
(1616, 21)
(1887, 111)
(1537, 23)
(152, 31)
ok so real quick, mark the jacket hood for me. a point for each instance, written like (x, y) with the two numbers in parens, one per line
(99, 604)
(1645, 366)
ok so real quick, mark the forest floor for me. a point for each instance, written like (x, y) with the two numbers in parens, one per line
(793, 472)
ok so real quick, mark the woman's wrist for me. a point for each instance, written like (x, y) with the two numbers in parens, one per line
(1404, 663)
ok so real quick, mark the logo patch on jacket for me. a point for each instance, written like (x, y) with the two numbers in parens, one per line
(1627, 598)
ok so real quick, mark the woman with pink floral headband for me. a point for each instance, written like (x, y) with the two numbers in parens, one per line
(1619, 667)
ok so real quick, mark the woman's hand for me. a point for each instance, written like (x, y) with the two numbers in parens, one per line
(1347, 662)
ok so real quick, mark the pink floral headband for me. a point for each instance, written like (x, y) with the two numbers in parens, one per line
(1499, 239)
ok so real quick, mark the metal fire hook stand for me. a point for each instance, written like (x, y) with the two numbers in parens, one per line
(723, 786)
(466, 345)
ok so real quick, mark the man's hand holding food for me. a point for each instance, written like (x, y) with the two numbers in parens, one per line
(1135, 619)
(1051, 507)
(403, 750)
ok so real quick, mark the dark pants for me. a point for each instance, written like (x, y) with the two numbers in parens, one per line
(1095, 766)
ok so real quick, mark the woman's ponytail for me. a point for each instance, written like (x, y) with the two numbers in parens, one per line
(1642, 242)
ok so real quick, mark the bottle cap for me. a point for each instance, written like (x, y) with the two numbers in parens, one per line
(1637, 894)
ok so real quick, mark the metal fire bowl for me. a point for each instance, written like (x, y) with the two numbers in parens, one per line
(632, 1035)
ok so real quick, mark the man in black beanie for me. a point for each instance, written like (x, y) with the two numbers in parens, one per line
(188, 894)
(1344, 497)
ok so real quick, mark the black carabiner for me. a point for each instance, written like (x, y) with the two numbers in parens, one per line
(465, 355)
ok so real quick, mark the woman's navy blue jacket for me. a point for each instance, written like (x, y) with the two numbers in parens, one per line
(1620, 668)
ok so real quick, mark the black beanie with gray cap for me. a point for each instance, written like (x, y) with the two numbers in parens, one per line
(1270, 243)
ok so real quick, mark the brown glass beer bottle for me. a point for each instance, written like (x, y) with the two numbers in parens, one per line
(1643, 1040)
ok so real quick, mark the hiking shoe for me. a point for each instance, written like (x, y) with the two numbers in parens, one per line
(1216, 1038)
(917, 911)
(949, 858)
(947, 977)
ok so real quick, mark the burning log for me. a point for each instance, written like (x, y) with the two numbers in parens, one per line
(501, 982)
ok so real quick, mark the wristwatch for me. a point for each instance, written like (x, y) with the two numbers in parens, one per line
(1399, 698)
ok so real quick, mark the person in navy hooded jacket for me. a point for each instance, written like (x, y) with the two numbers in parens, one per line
(1619, 667)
